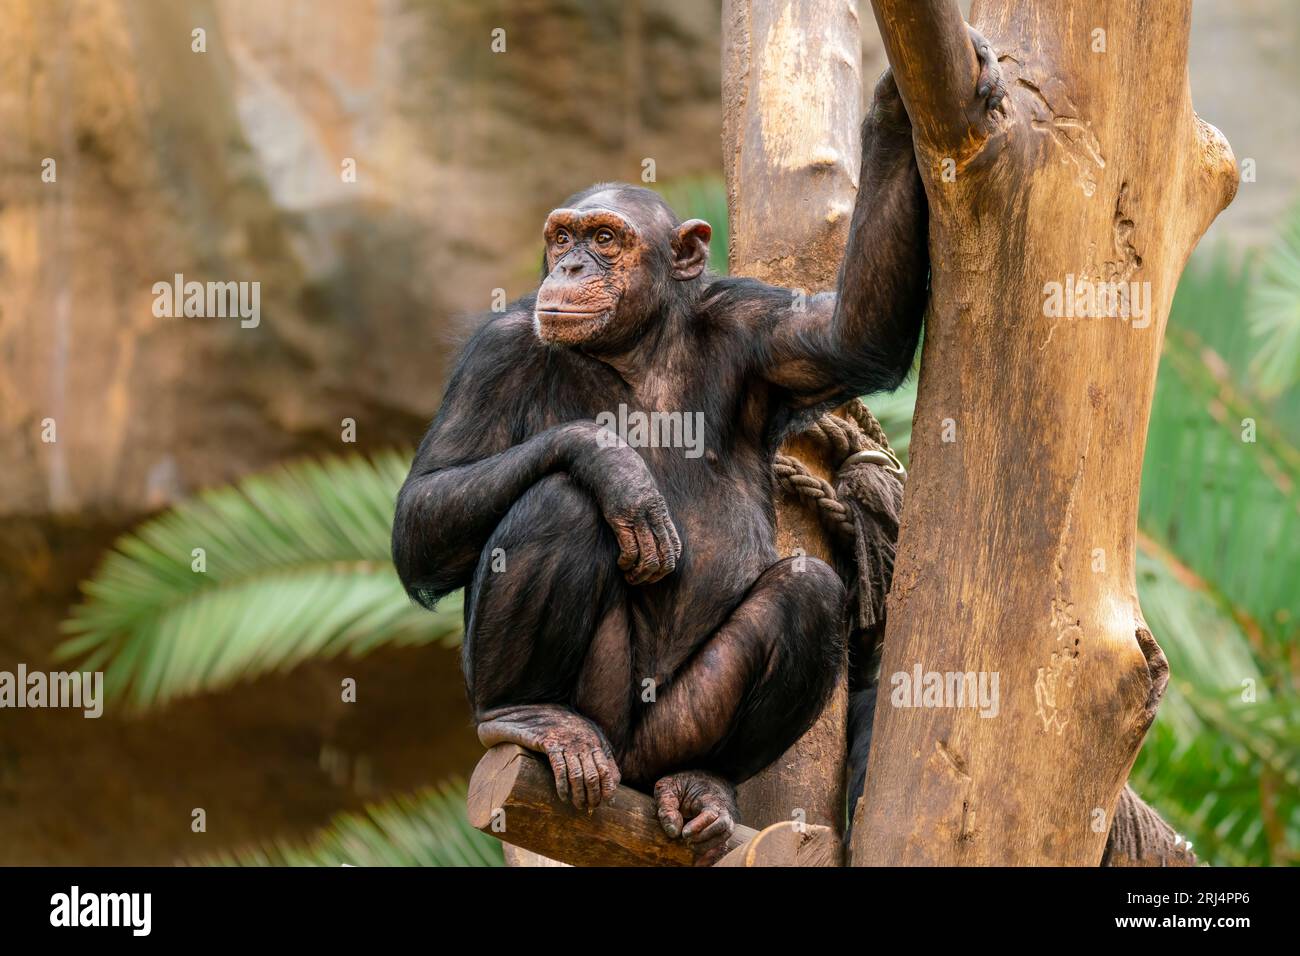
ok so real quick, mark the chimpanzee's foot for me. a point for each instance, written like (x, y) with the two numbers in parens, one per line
(706, 803)
(989, 87)
(579, 754)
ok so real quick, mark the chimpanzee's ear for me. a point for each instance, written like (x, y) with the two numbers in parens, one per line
(691, 249)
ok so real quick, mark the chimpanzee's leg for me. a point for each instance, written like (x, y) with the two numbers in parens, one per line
(547, 591)
(746, 695)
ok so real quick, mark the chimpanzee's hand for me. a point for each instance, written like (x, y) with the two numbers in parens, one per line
(887, 111)
(628, 496)
(630, 500)
(989, 87)
(580, 756)
(701, 809)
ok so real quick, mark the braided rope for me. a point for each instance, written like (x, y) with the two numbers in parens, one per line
(840, 437)
(793, 476)
(858, 410)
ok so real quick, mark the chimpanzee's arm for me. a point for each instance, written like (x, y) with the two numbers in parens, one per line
(466, 476)
(862, 339)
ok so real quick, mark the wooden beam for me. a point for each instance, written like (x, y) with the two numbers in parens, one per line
(787, 844)
(512, 797)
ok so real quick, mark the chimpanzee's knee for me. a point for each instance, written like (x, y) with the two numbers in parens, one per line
(544, 580)
(553, 511)
(801, 602)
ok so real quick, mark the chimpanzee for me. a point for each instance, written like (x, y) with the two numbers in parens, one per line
(626, 613)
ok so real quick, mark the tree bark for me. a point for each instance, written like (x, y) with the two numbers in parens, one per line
(791, 81)
(1016, 555)
(512, 797)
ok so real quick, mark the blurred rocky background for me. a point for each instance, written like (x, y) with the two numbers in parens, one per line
(229, 165)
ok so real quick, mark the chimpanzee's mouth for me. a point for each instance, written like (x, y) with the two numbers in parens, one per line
(570, 315)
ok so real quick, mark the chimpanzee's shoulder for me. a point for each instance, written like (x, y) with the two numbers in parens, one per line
(513, 323)
(749, 305)
(502, 339)
(735, 299)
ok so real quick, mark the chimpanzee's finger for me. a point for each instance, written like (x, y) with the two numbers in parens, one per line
(699, 823)
(590, 780)
(577, 786)
(989, 87)
(560, 768)
(675, 539)
(648, 564)
(628, 550)
(668, 809)
(719, 829)
(609, 775)
(669, 547)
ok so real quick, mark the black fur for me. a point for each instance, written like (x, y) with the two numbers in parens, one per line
(742, 648)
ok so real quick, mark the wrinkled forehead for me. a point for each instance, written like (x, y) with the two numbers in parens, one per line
(610, 206)
(589, 219)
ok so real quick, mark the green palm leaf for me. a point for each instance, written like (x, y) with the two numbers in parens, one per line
(1210, 747)
(296, 566)
(1274, 312)
(427, 828)
(1220, 509)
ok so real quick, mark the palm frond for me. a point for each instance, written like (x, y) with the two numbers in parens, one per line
(1221, 483)
(1274, 311)
(426, 828)
(1217, 569)
(1221, 727)
(294, 565)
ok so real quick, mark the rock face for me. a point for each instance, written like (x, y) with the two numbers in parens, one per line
(230, 165)
(234, 165)
(1245, 79)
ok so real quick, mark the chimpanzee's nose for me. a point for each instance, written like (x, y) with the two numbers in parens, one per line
(572, 268)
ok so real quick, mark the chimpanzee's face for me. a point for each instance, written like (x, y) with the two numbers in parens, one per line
(610, 263)
(597, 276)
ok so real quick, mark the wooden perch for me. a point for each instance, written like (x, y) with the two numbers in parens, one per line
(788, 844)
(512, 797)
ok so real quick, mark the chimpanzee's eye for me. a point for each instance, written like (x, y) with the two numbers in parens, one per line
(604, 237)
(562, 238)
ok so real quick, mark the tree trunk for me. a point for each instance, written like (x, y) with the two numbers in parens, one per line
(791, 81)
(1016, 556)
